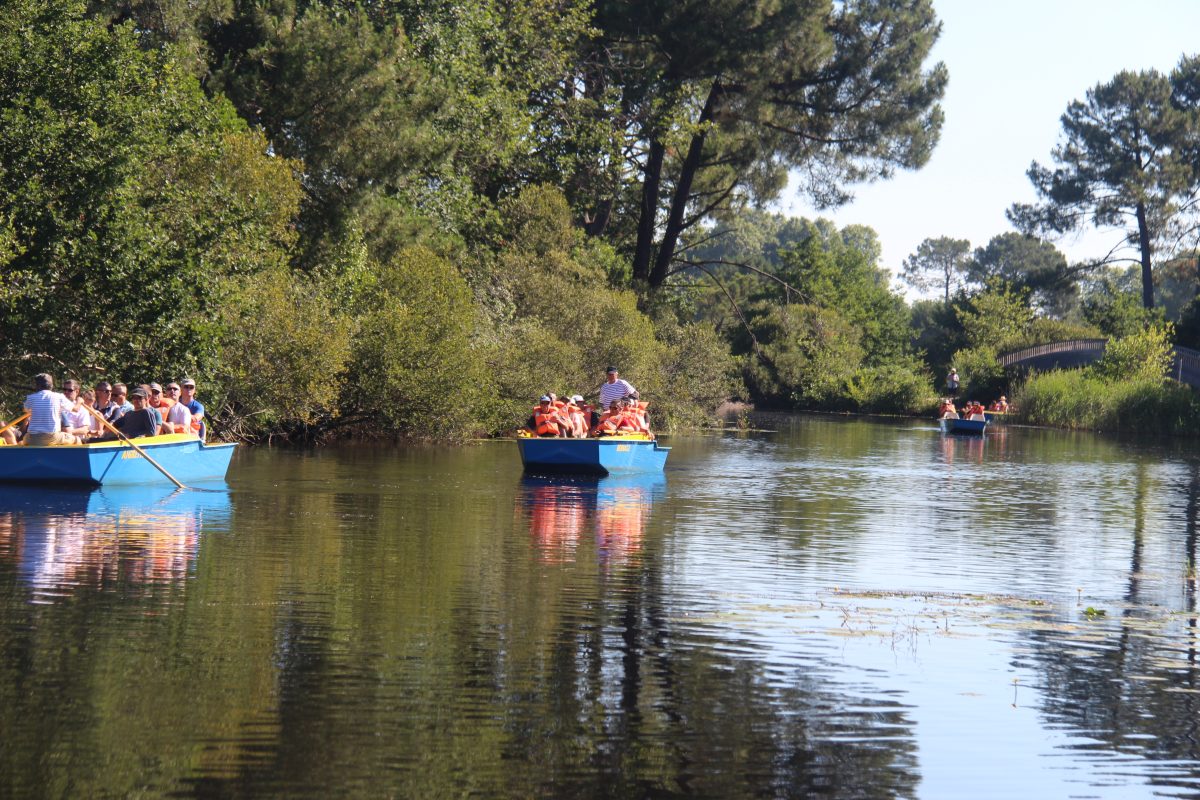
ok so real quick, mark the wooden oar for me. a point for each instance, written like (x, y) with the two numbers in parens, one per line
(129, 442)
(16, 421)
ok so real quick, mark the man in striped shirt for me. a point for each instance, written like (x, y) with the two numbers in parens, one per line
(614, 388)
(46, 408)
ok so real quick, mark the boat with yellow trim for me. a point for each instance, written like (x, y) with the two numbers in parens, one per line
(605, 455)
(184, 455)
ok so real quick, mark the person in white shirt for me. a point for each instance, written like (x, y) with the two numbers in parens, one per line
(77, 422)
(614, 388)
(178, 415)
(46, 408)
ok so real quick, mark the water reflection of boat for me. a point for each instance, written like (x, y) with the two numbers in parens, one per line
(625, 453)
(615, 507)
(62, 538)
(184, 456)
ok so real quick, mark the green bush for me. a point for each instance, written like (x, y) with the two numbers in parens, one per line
(1080, 399)
(414, 366)
(982, 377)
(891, 389)
(697, 375)
(806, 357)
(1143, 355)
(282, 358)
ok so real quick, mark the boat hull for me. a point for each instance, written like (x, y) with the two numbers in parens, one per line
(604, 456)
(970, 427)
(116, 463)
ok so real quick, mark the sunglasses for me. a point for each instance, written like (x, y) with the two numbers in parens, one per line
(156, 391)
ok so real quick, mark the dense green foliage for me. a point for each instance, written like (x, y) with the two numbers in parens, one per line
(414, 218)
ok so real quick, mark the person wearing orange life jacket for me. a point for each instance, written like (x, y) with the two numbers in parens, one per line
(576, 417)
(945, 408)
(999, 405)
(610, 422)
(971, 409)
(547, 420)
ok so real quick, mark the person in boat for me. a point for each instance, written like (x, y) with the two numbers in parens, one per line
(177, 416)
(141, 421)
(77, 422)
(609, 420)
(158, 405)
(619, 419)
(547, 419)
(94, 427)
(614, 388)
(971, 409)
(1000, 405)
(121, 398)
(108, 408)
(187, 396)
(952, 383)
(947, 407)
(46, 408)
(590, 416)
(576, 422)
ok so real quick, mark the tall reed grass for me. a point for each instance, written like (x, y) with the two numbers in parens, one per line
(1079, 399)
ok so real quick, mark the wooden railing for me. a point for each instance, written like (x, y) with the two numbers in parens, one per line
(1185, 362)
(1054, 348)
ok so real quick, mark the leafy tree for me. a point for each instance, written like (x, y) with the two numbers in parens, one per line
(129, 200)
(718, 100)
(805, 356)
(832, 274)
(1141, 355)
(936, 331)
(1127, 160)
(1026, 262)
(996, 317)
(1116, 311)
(938, 263)
(413, 361)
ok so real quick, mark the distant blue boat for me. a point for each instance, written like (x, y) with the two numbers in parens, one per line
(116, 463)
(973, 427)
(605, 455)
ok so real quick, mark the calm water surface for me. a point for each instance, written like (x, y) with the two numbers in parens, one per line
(833, 608)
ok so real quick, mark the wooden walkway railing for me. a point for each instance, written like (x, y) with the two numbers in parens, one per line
(1079, 347)
(1185, 363)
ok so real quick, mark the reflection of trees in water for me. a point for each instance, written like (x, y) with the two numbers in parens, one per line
(1132, 684)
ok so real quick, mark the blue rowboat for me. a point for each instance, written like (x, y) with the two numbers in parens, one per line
(995, 416)
(605, 455)
(116, 463)
(973, 427)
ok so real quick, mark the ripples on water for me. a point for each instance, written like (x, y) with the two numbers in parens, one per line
(834, 608)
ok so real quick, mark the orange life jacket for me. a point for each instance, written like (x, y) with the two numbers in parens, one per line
(608, 424)
(545, 422)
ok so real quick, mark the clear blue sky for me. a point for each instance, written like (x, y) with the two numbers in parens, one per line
(1014, 66)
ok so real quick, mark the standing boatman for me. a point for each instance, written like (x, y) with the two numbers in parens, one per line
(952, 383)
(614, 388)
